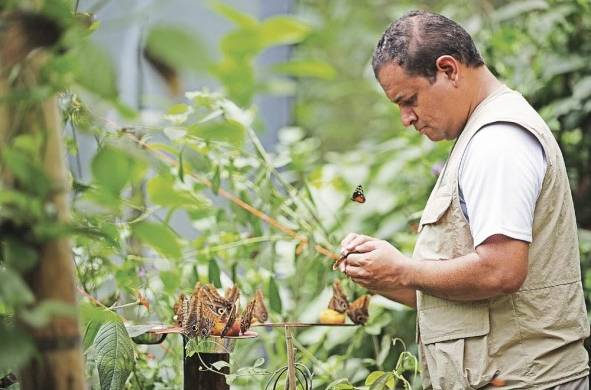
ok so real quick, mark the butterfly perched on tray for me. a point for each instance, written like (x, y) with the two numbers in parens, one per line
(358, 195)
(357, 310)
(339, 301)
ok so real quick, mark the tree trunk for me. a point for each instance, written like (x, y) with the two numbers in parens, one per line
(59, 364)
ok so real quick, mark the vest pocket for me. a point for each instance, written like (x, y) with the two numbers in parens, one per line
(442, 320)
(435, 209)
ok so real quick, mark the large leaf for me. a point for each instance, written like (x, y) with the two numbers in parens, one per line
(112, 169)
(159, 237)
(317, 69)
(282, 29)
(13, 290)
(177, 47)
(223, 131)
(18, 255)
(213, 273)
(114, 355)
(17, 348)
(163, 192)
(274, 297)
(42, 313)
(239, 18)
(94, 70)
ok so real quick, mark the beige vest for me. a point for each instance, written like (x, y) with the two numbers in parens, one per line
(532, 339)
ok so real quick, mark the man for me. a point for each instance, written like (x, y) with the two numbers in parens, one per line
(495, 273)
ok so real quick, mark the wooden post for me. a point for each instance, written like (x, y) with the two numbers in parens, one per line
(59, 364)
(291, 371)
(200, 377)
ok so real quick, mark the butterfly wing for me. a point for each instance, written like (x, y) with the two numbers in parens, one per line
(246, 319)
(260, 310)
(358, 310)
(339, 301)
(358, 195)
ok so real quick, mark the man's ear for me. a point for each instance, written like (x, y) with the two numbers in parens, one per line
(450, 66)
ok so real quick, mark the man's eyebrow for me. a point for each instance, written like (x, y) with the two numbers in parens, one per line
(400, 98)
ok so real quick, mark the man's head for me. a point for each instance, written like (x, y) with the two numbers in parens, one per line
(425, 64)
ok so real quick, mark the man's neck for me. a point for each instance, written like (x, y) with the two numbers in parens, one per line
(486, 84)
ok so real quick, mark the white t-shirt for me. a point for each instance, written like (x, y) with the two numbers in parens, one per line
(501, 175)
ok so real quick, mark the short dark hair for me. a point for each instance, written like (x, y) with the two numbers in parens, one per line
(417, 39)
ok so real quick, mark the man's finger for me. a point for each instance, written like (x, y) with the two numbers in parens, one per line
(367, 246)
(348, 238)
(360, 239)
(355, 272)
(356, 259)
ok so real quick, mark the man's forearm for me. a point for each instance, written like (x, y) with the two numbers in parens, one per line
(465, 278)
(406, 296)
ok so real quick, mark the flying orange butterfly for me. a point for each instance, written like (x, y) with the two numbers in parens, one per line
(358, 195)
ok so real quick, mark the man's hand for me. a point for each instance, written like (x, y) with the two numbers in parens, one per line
(377, 265)
(498, 266)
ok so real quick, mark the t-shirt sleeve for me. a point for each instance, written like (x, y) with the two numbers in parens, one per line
(501, 177)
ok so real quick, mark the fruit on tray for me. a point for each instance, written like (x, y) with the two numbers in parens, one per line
(333, 317)
(338, 305)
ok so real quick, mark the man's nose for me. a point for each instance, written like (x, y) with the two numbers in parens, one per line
(408, 116)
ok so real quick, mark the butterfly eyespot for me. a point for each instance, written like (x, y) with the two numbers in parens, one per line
(221, 311)
(358, 195)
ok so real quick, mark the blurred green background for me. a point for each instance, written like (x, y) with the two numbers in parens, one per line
(299, 76)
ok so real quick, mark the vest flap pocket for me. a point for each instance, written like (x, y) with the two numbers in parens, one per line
(435, 209)
(454, 320)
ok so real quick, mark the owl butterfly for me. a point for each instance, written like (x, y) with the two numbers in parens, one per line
(232, 294)
(211, 298)
(358, 195)
(357, 310)
(205, 322)
(260, 310)
(246, 317)
(230, 321)
(339, 301)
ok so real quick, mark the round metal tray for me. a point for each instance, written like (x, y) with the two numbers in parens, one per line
(296, 324)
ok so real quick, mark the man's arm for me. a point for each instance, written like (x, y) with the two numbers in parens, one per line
(498, 266)
(406, 296)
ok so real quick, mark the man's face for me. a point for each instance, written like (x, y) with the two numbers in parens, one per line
(434, 109)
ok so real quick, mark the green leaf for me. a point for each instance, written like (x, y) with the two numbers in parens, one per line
(13, 290)
(26, 170)
(19, 256)
(46, 310)
(114, 355)
(282, 29)
(380, 382)
(220, 364)
(317, 69)
(274, 297)
(112, 169)
(259, 362)
(90, 332)
(159, 237)
(94, 70)
(170, 280)
(232, 14)
(181, 169)
(216, 180)
(178, 48)
(213, 273)
(163, 192)
(17, 348)
(229, 131)
(374, 376)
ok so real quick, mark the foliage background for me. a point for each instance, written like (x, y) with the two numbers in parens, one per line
(344, 133)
